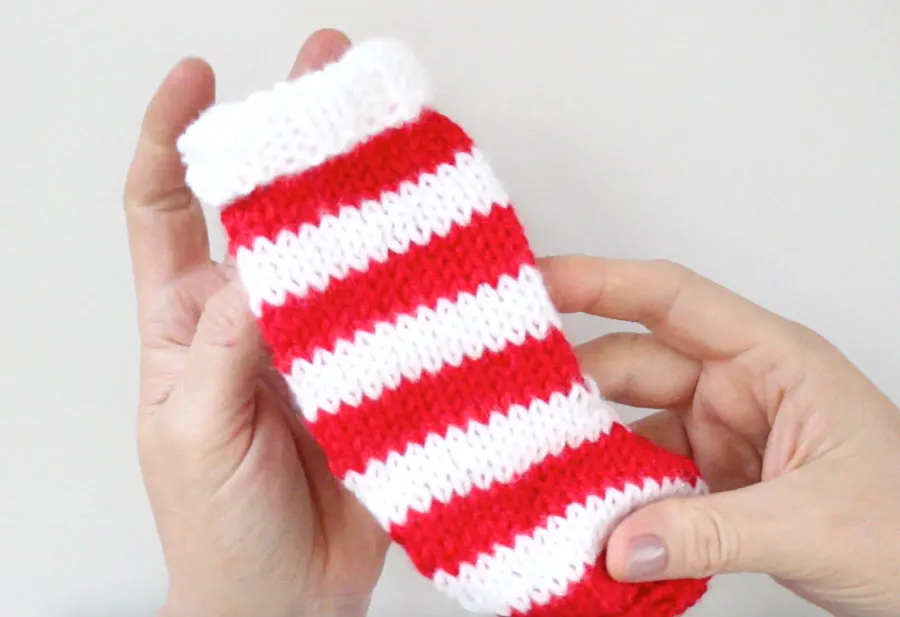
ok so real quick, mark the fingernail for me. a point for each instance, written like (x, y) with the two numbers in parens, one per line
(646, 558)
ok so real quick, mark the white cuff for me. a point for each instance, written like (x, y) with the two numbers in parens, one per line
(234, 148)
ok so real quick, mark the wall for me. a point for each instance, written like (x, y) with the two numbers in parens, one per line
(755, 142)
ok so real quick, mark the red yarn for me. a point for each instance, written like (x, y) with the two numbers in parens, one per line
(490, 246)
(396, 287)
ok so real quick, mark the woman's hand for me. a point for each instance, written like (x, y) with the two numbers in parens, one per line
(801, 450)
(250, 519)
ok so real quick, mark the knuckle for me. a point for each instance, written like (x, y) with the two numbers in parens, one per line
(169, 434)
(714, 545)
(606, 359)
(616, 345)
(602, 284)
(672, 269)
(137, 196)
(672, 279)
(628, 340)
(183, 432)
(225, 319)
(622, 373)
(808, 343)
(807, 336)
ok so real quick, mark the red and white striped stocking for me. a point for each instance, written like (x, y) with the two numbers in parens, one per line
(394, 283)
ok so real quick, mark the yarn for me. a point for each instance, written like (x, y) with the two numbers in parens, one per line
(394, 283)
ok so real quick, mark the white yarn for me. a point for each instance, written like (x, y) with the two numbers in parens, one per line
(480, 455)
(360, 234)
(542, 565)
(233, 148)
(426, 340)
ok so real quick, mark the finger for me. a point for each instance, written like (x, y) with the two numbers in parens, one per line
(684, 310)
(322, 46)
(755, 529)
(666, 429)
(725, 461)
(224, 362)
(638, 370)
(229, 266)
(166, 229)
(227, 353)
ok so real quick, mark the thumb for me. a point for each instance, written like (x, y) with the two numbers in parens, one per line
(223, 364)
(754, 529)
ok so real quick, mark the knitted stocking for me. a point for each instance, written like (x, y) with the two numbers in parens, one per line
(395, 285)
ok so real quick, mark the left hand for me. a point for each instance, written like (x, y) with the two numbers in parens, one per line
(250, 519)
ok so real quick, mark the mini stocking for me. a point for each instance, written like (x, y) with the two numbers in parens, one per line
(394, 283)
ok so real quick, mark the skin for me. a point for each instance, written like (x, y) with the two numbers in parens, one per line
(801, 450)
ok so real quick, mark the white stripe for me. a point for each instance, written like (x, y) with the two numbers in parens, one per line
(361, 234)
(479, 455)
(543, 564)
(236, 147)
(426, 340)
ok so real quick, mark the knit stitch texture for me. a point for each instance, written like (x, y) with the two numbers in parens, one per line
(394, 282)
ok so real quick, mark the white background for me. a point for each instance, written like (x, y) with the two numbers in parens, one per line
(758, 143)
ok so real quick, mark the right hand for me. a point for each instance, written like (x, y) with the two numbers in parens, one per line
(802, 452)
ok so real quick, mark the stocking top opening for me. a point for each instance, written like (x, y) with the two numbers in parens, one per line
(236, 147)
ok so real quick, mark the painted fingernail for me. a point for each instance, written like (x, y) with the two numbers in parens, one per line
(647, 558)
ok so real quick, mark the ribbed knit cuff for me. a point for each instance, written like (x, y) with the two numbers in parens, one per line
(296, 125)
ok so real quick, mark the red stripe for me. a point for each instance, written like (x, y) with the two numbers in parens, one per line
(454, 396)
(598, 595)
(480, 253)
(457, 532)
(380, 164)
